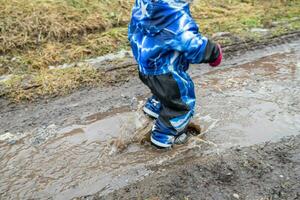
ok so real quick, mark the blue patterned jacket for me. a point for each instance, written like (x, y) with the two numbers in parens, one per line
(164, 37)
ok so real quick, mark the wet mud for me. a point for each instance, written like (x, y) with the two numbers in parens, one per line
(101, 151)
(266, 171)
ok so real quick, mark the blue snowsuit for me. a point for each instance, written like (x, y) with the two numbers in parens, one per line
(165, 40)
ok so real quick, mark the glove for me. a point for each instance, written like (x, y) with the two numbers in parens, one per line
(218, 61)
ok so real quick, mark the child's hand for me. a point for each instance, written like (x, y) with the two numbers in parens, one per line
(218, 61)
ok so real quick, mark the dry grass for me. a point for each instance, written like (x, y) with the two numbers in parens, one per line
(27, 24)
(55, 82)
(56, 53)
(38, 33)
(59, 82)
(238, 16)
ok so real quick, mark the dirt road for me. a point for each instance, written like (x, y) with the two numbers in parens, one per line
(87, 144)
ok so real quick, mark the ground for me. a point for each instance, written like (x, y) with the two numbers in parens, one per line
(92, 143)
(39, 37)
(266, 171)
(76, 130)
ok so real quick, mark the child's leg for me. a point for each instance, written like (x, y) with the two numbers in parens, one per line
(175, 91)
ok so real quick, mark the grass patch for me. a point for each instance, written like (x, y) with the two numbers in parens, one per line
(49, 83)
(40, 33)
(59, 82)
(27, 24)
(55, 52)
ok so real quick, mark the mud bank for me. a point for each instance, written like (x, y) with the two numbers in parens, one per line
(266, 171)
(89, 142)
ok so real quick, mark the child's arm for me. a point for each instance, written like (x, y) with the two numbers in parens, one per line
(198, 49)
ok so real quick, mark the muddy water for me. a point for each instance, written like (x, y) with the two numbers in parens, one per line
(253, 102)
(242, 105)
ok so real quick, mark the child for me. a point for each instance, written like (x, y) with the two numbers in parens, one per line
(165, 40)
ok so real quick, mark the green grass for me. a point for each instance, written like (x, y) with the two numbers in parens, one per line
(40, 33)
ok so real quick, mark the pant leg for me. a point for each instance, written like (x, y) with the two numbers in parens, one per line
(185, 84)
(175, 91)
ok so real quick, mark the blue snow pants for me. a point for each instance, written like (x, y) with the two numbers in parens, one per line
(175, 91)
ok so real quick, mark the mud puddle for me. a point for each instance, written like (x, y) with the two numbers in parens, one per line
(243, 105)
(105, 153)
(254, 102)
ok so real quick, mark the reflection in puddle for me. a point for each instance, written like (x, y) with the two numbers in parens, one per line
(251, 103)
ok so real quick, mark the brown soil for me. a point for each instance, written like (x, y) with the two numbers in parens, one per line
(267, 171)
